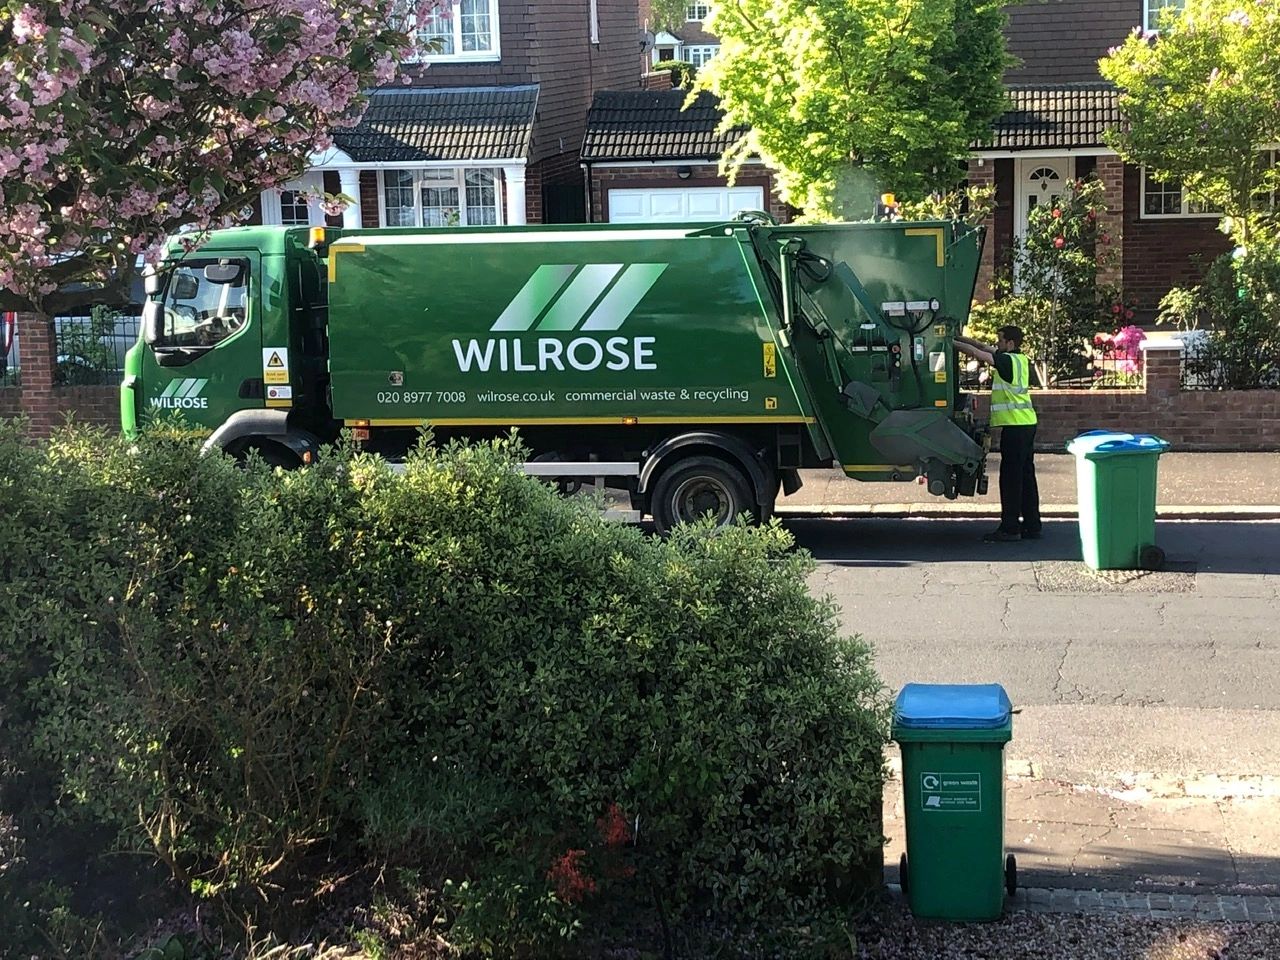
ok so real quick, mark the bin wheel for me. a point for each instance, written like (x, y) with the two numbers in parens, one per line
(1151, 558)
(1010, 875)
(903, 880)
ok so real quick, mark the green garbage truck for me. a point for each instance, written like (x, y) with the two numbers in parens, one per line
(695, 367)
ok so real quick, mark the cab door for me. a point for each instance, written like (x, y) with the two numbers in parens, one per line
(202, 355)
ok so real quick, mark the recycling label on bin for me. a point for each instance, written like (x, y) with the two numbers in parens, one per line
(951, 792)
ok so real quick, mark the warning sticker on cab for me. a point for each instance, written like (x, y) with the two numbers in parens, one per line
(275, 364)
(951, 792)
(770, 360)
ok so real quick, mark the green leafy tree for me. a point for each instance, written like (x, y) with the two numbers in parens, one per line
(1201, 100)
(845, 98)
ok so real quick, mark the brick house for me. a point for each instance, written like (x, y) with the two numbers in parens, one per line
(1054, 132)
(647, 160)
(688, 41)
(487, 130)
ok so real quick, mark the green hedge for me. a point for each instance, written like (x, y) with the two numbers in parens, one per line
(453, 673)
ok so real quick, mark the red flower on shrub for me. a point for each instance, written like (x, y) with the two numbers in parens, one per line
(1059, 242)
(1057, 214)
(1117, 309)
(1128, 314)
(1105, 238)
(613, 827)
(566, 875)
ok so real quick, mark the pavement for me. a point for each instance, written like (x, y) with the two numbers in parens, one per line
(1144, 772)
(1215, 485)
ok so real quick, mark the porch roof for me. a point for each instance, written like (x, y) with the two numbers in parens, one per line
(450, 123)
(650, 125)
(1046, 116)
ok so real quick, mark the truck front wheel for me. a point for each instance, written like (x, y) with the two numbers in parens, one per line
(689, 490)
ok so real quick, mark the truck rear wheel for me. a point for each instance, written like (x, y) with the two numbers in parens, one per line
(689, 490)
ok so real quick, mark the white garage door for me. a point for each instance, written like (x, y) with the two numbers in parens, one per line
(671, 204)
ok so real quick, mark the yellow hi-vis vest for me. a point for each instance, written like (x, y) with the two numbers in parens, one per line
(1011, 402)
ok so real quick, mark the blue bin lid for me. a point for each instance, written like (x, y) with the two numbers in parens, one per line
(952, 706)
(1106, 442)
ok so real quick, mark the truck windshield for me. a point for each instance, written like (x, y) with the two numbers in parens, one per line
(199, 312)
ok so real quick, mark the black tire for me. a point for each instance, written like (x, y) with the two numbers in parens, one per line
(273, 454)
(1010, 875)
(904, 880)
(689, 489)
(1151, 558)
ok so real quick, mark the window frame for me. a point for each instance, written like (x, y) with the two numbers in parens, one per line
(1151, 10)
(458, 182)
(1184, 212)
(493, 55)
(693, 8)
(687, 53)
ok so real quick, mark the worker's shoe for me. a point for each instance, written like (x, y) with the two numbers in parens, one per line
(1032, 535)
(1001, 536)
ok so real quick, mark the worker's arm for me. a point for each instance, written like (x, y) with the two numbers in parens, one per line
(974, 349)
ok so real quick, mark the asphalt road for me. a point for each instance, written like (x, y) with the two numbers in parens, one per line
(1174, 674)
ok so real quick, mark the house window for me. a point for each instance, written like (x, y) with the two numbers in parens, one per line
(439, 197)
(461, 30)
(697, 12)
(294, 209)
(1154, 8)
(700, 55)
(1168, 198)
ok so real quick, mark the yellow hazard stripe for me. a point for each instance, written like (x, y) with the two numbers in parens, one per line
(336, 249)
(936, 233)
(559, 421)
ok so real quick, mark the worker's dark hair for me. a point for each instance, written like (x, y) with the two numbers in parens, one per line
(1012, 333)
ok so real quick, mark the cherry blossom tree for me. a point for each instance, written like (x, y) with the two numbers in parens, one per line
(122, 123)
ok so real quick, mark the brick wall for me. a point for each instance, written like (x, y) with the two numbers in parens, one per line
(1158, 252)
(98, 405)
(701, 175)
(1110, 171)
(1201, 420)
(40, 399)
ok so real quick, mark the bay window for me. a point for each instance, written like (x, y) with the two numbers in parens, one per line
(440, 197)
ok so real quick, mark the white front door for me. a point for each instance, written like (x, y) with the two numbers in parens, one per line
(1039, 181)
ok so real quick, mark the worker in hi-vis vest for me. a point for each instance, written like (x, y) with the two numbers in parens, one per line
(1012, 412)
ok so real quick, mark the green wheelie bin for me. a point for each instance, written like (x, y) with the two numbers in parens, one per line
(952, 738)
(1116, 488)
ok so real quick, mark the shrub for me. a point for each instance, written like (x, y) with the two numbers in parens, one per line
(1238, 302)
(682, 72)
(270, 677)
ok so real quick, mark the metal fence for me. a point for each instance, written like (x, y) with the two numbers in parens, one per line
(1210, 363)
(91, 347)
(1101, 367)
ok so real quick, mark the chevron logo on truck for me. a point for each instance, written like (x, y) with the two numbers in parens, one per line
(567, 298)
(182, 395)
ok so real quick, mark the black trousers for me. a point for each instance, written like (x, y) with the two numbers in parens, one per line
(1019, 494)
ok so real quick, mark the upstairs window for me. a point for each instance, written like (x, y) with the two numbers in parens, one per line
(461, 30)
(697, 12)
(1152, 9)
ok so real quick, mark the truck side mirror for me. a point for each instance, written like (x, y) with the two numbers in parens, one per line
(152, 281)
(222, 272)
(151, 322)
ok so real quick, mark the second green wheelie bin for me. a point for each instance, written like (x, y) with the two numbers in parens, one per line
(952, 738)
(1116, 488)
